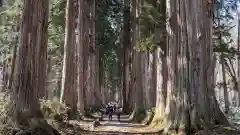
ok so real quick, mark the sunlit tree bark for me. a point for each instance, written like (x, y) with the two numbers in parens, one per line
(68, 94)
(190, 99)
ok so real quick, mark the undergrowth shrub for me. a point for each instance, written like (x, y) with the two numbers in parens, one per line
(95, 111)
(5, 108)
(53, 109)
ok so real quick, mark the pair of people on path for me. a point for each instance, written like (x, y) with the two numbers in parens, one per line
(111, 110)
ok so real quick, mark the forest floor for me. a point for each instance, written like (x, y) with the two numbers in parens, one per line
(125, 127)
(113, 127)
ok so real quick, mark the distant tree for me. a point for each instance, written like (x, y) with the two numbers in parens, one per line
(126, 55)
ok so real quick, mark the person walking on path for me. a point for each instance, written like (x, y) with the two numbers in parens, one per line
(110, 113)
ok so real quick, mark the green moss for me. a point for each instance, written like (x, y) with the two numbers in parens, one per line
(146, 44)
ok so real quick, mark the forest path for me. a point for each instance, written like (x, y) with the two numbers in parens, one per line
(126, 127)
(115, 127)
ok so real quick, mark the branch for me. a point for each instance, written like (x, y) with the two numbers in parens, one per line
(8, 9)
(234, 73)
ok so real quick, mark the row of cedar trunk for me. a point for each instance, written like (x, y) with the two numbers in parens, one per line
(183, 73)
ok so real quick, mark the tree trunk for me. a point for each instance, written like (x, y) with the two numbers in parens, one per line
(225, 90)
(68, 94)
(153, 80)
(238, 58)
(97, 85)
(138, 66)
(29, 78)
(160, 59)
(101, 77)
(230, 68)
(190, 99)
(93, 55)
(80, 57)
(147, 83)
(86, 41)
(126, 54)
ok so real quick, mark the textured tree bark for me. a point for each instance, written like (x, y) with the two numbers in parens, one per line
(135, 64)
(188, 58)
(97, 84)
(138, 66)
(126, 54)
(94, 58)
(91, 61)
(29, 78)
(80, 57)
(153, 80)
(68, 95)
(14, 55)
(160, 59)
(238, 59)
(85, 50)
(225, 90)
(101, 78)
(147, 81)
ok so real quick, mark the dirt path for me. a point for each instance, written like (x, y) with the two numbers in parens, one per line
(115, 127)
(125, 127)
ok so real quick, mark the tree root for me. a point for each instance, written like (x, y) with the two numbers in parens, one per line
(131, 116)
(148, 119)
(219, 130)
(216, 130)
(37, 127)
(139, 116)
